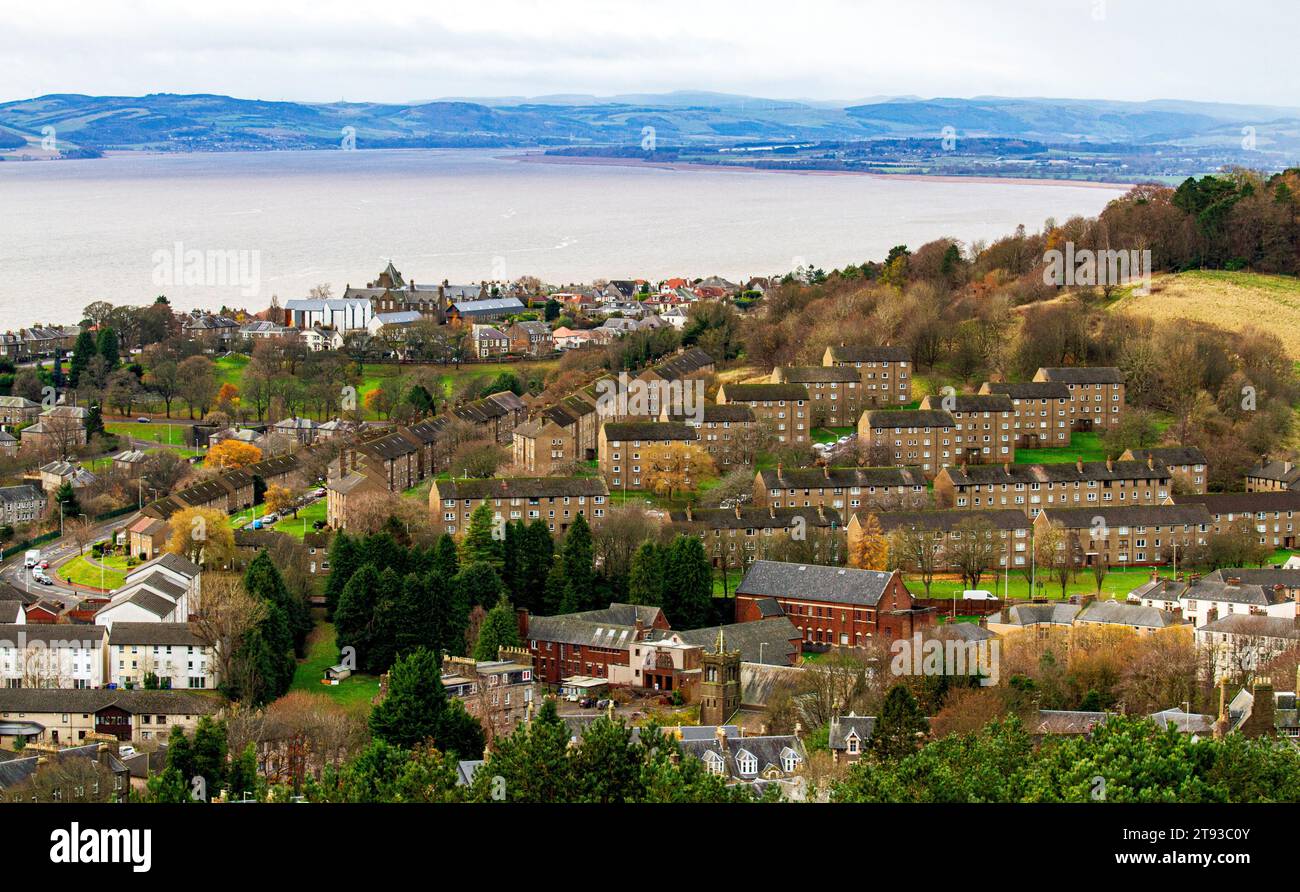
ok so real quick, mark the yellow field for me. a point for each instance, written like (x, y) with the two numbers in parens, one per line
(1229, 300)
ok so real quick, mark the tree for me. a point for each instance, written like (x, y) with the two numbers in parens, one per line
(900, 725)
(688, 584)
(262, 579)
(482, 543)
(415, 710)
(577, 559)
(973, 549)
(645, 583)
(202, 535)
(478, 584)
(534, 760)
(869, 548)
(232, 454)
(670, 468)
(108, 348)
(354, 617)
(278, 499)
(916, 550)
(499, 629)
(198, 383)
(82, 350)
(163, 378)
(224, 616)
(537, 559)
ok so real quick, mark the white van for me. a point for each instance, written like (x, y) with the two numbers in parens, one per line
(978, 594)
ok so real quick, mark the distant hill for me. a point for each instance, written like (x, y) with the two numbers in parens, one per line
(170, 122)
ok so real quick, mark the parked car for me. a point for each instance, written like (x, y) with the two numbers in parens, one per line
(143, 420)
(587, 702)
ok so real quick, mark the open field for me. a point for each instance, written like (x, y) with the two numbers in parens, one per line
(1230, 300)
(1086, 446)
(160, 432)
(80, 571)
(322, 652)
(299, 526)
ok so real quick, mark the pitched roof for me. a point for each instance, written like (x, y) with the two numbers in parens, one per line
(751, 393)
(1119, 613)
(1029, 390)
(868, 353)
(1082, 374)
(95, 699)
(969, 402)
(1254, 625)
(1037, 614)
(1168, 455)
(753, 517)
(161, 634)
(1129, 516)
(894, 418)
(1054, 472)
(861, 726)
(814, 582)
(1244, 502)
(658, 431)
(766, 641)
(716, 413)
(814, 374)
(840, 478)
(948, 520)
(520, 487)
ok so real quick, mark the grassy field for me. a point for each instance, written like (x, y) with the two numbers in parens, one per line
(301, 525)
(1230, 300)
(159, 432)
(1086, 446)
(80, 571)
(831, 434)
(322, 652)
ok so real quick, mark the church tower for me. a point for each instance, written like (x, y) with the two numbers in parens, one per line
(720, 686)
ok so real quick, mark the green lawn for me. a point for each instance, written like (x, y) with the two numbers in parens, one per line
(323, 652)
(230, 369)
(79, 571)
(301, 525)
(160, 432)
(1086, 446)
(734, 576)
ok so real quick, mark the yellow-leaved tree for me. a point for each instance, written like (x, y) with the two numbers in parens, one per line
(232, 454)
(868, 545)
(202, 535)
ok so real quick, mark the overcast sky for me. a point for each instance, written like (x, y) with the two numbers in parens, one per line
(398, 51)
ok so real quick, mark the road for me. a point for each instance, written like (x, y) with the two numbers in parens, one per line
(56, 552)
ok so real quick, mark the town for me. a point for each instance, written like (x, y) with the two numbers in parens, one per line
(769, 540)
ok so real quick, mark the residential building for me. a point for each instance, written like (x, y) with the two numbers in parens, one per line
(1204, 599)
(723, 429)
(832, 606)
(557, 438)
(489, 341)
(885, 370)
(496, 414)
(71, 716)
(625, 448)
(56, 473)
(1041, 412)
(1034, 488)
(171, 653)
(500, 693)
(17, 410)
(51, 655)
(736, 537)
(757, 761)
(1137, 535)
(8, 444)
(1273, 476)
(984, 425)
(491, 309)
(836, 397)
(147, 537)
(342, 314)
(1011, 532)
(849, 736)
(531, 338)
(556, 501)
(846, 490)
(1096, 394)
(22, 504)
(923, 438)
(130, 462)
(783, 409)
(167, 589)
(1186, 464)
(1272, 515)
(1243, 643)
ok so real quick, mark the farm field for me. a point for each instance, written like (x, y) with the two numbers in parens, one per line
(1231, 300)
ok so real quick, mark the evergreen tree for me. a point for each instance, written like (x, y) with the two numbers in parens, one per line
(262, 579)
(645, 581)
(577, 556)
(386, 625)
(417, 625)
(94, 421)
(538, 559)
(553, 593)
(108, 348)
(688, 584)
(900, 726)
(533, 761)
(383, 550)
(478, 585)
(446, 560)
(607, 763)
(481, 544)
(66, 496)
(420, 398)
(512, 557)
(354, 617)
(210, 753)
(416, 710)
(345, 559)
(498, 629)
(82, 351)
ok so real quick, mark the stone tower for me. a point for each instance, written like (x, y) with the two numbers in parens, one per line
(720, 686)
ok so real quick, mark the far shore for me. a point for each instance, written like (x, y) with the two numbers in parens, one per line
(541, 158)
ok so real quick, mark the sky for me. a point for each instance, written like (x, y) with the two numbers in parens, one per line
(400, 51)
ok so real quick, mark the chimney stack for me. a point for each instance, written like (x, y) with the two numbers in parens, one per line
(1110, 463)
(1078, 463)
(1151, 462)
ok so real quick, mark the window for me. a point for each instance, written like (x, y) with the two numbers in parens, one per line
(746, 763)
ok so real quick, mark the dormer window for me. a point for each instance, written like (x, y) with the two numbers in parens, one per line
(714, 762)
(854, 745)
(746, 763)
(790, 760)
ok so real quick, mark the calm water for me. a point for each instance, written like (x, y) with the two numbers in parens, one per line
(76, 231)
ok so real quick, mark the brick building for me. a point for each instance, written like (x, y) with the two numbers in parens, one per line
(1032, 488)
(985, 425)
(1186, 464)
(924, 438)
(722, 428)
(1096, 394)
(1273, 476)
(843, 489)
(624, 447)
(1272, 515)
(835, 392)
(886, 372)
(555, 500)
(736, 537)
(1040, 412)
(1136, 535)
(832, 606)
(781, 408)
(1011, 530)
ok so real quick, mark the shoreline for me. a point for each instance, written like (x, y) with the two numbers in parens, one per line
(600, 161)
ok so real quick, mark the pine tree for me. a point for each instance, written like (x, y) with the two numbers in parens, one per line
(688, 584)
(388, 620)
(107, 347)
(345, 560)
(478, 585)
(499, 629)
(408, 715)
(553, 592)
(512, 557)
(645, 581)
(533, 762)
(900, 726)
(538, 559)
(481, 544)
(354, 617)
(94, 421)
(82, 351)
(262, 579)
(578, 556)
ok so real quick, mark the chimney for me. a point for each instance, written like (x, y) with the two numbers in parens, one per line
(1006, 468)
(689, 515)
(1151, 462)
(826, 471)
(738, 511)
(771, 511)
(798, 730)
(821, 512)
(1261, 721)
(1078, 463)
(1233, 581)
(778, 470)
(1110, 463)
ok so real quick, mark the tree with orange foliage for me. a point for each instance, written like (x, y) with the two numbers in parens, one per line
(232, 454)
(868, 546)
(278, 499)
(672, 467)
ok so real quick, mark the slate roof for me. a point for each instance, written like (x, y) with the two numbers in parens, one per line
(815, 374)
(1036, 614)
(1029, 390)
(1082, 374)
(969, 402)
(842, 478)
(866, 353)
(1054, 472)
(21, 493)
(1063, 721)
(760, 641)
(683, 364)
(490, 305)
(766, 750)
(1168, 455)
(1244, 502)
(1254, 626)
(622, 614)
(1119, 613)
(15, 771)
(1258, 590)
(160, 634)
(521, 487)
(1186, 722)
(572, 629)
(1129, 516)
(753, 393)
(95, 699)
(653, 431)
(947, 520)
(753, 518)
(9, 612)
(716, 413)
(759, 682)
(896, 418)
(814, 582)
(863, 725)
(80, 635)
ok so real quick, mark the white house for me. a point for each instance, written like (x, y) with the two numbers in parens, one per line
(318, 339)
(164, 590)
(171, 651)
(51, 655)
(1223, 593)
